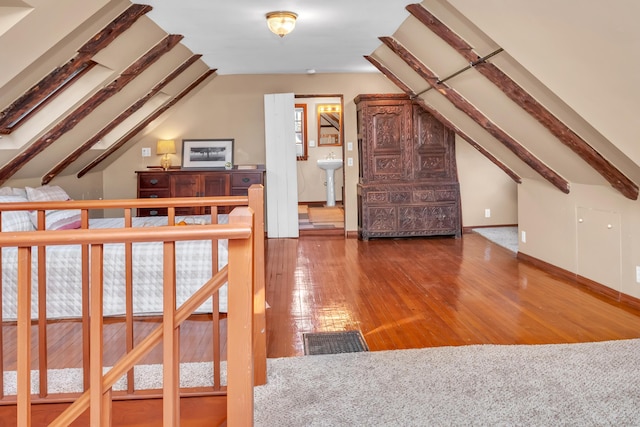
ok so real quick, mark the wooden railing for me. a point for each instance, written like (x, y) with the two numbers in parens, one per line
(246, 338)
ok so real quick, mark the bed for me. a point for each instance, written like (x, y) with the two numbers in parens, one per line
(64, 265)
(64, 273)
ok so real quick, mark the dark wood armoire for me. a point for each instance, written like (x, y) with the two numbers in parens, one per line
(408, 183)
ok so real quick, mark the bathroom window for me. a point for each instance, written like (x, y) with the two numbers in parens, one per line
(301, 131)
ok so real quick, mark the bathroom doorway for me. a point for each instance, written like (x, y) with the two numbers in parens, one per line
(319, 136)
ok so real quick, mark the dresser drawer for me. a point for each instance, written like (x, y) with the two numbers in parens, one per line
(152, 212)
(153, 193)
(242, 179)
(152, 180)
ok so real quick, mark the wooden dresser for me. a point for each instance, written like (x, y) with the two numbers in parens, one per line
(194, 183)
(408, 184)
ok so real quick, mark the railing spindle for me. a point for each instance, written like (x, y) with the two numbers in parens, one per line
(128, 271)
(24, 337)
(170, 342)
(1, 324)
(86, 337)
(95, 353)
(42, 309)
(240, 325)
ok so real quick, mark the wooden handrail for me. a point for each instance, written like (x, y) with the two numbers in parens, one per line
(120, 235)
(128, 203)
(245, 319)
(240, 279)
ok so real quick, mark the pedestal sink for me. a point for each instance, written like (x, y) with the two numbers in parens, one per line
(329, 166)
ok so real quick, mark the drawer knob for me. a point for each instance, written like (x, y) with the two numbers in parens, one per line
(245, 179)
(153, 181)
(153, 213)
(153, 196)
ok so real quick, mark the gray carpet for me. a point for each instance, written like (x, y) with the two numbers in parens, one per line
(593, 384)
(146, 377)
(507, 237)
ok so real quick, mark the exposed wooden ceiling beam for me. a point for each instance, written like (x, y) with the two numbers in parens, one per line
(391, 76)
(114, 29)
(466, 107)
(523, 99)
(112, 125)
(47, 88)
(69, 122)
(406, 89)
(133, 132)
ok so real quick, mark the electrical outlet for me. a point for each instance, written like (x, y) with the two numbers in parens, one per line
(487, 213)
(637, 273)
(349, 161)
(523, 236)
(146, 152)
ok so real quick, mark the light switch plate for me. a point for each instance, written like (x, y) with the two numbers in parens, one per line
(349, 161)
(349, 146)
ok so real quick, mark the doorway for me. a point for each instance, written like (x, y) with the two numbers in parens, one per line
(319, 135)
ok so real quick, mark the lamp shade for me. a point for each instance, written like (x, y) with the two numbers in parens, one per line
(166, 146)
(281, 23)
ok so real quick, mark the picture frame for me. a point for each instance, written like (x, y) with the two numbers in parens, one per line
(207, 153)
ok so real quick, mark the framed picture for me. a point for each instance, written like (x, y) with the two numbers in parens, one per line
(207, 153)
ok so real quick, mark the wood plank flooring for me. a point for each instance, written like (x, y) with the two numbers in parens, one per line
(401, 293)
(411, 293)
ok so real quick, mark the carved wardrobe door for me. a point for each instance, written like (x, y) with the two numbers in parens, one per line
(387, 130)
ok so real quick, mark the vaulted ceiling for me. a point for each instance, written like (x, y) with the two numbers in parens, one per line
(87, 78)
(475, 83)
(546, 91)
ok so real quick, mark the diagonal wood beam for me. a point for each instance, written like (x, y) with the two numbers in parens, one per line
(47, 88)
(406, 89)
(88, 106)
(522, 98)
(466, 107)
(391, 76)
(112, 125)
(133, 132)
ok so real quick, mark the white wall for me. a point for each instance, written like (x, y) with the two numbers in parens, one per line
(483, 186)
(551, 222)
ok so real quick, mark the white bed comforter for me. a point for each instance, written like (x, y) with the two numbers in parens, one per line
(64, 273)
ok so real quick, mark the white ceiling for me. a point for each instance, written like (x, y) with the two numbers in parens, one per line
(331, 36)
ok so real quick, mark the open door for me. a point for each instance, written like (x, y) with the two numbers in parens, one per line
(282, 178)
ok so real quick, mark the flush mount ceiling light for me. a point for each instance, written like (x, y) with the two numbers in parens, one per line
(281, 23)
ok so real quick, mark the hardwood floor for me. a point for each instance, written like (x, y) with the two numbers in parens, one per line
(401, 293)
(410, 293)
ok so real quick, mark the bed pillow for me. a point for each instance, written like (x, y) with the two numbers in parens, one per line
(16, 220)
(6, 191)
(62, 219)
(57, 219)
(46, 193)
(19, 192)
